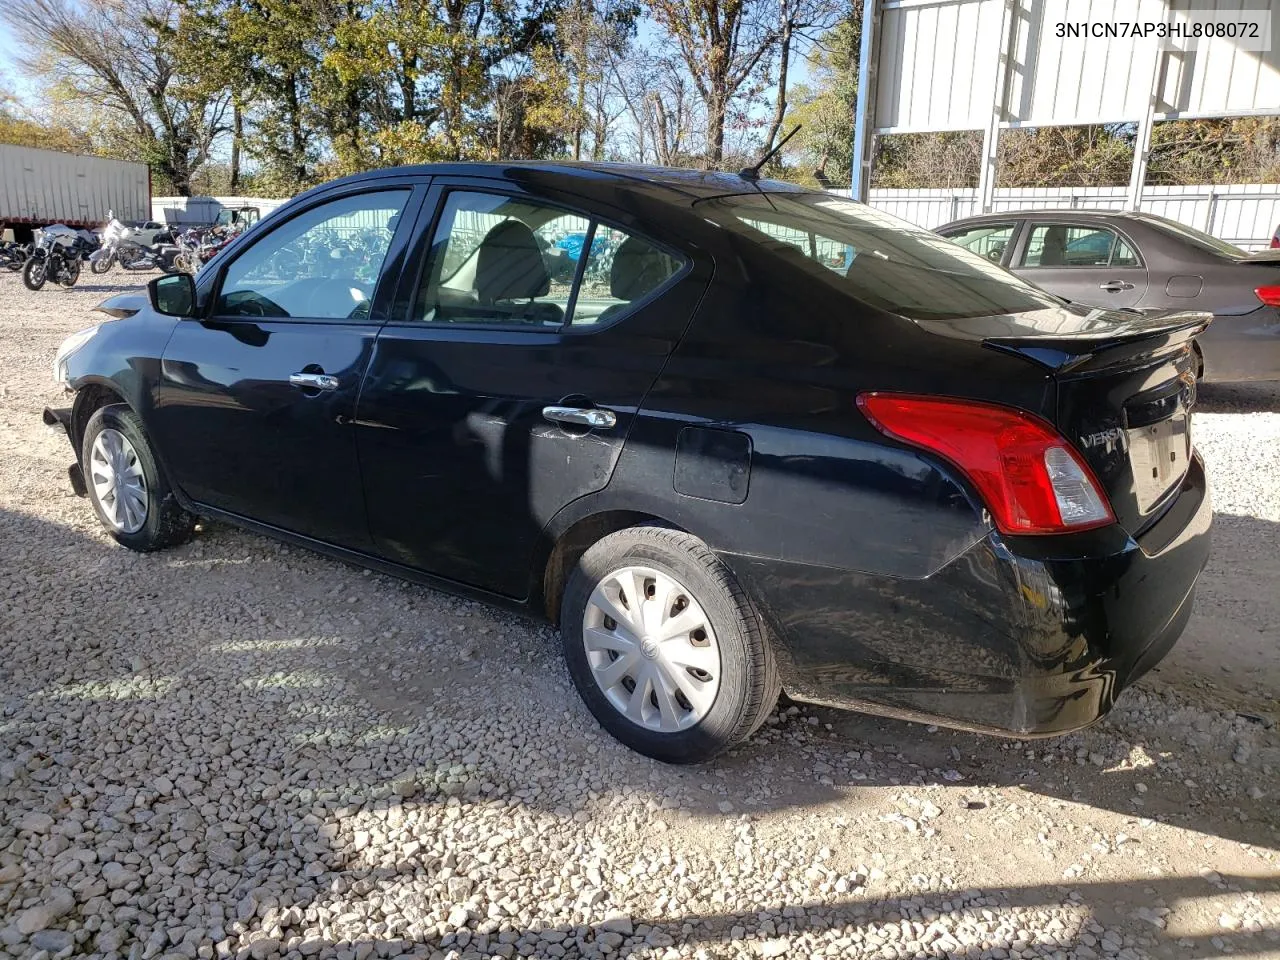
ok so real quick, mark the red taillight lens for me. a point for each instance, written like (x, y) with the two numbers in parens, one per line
(1269, 295)
(1275, 242)
(1028, 475)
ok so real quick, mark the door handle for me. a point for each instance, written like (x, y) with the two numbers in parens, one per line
(581, 416)
(313, 381)
(1115, 286)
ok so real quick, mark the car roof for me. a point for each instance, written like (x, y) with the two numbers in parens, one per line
(670, 183)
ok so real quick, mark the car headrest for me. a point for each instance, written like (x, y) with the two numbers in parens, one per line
(510, 265)
(637, 269)
(1054, 253)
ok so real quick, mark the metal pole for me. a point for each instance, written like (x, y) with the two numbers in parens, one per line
(864, 121)
(991, 135)
(1142, 142)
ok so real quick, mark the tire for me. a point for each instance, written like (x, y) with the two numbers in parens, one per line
(163, 523)
(34, 273)
(102, 266)
(730, 697)
(70, 273)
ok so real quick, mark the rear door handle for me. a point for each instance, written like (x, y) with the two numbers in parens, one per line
(1115, 286)
(581, 416)
(313, 381)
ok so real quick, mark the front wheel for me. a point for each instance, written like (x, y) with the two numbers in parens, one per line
(102, 265)
(664, 646)
(129, 491)
(35, 273)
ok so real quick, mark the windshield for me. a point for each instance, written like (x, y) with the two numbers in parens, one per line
(881, 260)
(1197, 238)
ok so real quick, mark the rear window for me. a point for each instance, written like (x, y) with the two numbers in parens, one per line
(1197, 238)
(879, 259)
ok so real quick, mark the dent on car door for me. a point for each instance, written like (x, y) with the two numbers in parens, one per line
(256, 400)
(464, 455)
(1089, 263)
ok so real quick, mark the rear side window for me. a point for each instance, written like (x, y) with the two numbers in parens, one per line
(503, 260)
(988, 240)
(1063, 245)
(879, 259)
(621, 269)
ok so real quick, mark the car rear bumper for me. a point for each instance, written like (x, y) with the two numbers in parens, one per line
(1018, 636)
(1242, 347)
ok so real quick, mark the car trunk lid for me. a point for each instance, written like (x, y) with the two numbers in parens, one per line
(1125, 392)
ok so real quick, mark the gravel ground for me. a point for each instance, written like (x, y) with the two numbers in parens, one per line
(236, 748)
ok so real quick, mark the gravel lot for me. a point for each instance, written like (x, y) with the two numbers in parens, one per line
(240, 749)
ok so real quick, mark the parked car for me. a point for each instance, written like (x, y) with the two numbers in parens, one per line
(1144, 262)
(794, 444)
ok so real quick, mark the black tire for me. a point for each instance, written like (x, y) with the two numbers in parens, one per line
(102, 266)
(166, 523)
(70, 273)
(35, 273)
(749, 684)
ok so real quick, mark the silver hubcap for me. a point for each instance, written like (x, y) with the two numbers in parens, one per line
(651, 649)
(118, 482)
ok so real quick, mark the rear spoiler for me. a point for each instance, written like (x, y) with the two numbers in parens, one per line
(1144, 337)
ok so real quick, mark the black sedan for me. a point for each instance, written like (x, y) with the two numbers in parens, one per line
(1144, 262)
(758, 439)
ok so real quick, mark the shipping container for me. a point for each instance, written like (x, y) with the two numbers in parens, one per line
(40, 187)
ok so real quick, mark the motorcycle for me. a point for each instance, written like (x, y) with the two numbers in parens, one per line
(14, 255)
(121, 244)
(56, 256)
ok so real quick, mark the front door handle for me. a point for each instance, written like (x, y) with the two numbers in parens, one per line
(1115, 286)
(313, 381)
(581, 416)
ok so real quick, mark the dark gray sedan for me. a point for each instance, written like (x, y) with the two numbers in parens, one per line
(1143, 262)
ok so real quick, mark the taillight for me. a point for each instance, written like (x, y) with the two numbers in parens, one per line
(1027, 474)
(1269, 295)
(1275, 241)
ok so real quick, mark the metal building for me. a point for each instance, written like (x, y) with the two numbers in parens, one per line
(990, 65)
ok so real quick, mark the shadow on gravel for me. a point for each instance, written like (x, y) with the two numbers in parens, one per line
(849, 917)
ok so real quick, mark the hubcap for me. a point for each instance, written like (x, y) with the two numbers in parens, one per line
(651, 649)
(118, 481)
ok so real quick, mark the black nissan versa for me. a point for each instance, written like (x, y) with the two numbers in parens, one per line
(733, 436)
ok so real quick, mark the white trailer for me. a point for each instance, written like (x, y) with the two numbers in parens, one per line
(40, 187)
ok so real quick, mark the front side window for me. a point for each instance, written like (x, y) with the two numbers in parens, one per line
(877, 258)
(322, 264)
(1062, 245)
(989, 240)
(503, 260)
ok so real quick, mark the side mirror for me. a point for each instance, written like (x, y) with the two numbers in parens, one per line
(174, 295)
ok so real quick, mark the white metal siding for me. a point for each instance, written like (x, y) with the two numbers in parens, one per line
(49, 187)
(190, 211)
(938, 62)
(1245, 214)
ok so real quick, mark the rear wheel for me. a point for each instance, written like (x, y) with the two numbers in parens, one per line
(664, 646)
(70, 273)
(129, 492)
(34, 273)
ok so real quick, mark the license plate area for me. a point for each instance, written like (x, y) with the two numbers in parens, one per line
(1159, 454)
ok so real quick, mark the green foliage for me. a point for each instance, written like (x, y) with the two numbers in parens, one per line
(824, 107)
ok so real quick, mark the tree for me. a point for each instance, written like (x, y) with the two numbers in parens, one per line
(19, 127)
(725, 45)
(825, 107)
(118, 56)
(798, 21)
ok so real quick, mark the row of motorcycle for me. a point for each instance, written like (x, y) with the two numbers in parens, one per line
(59, 251)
